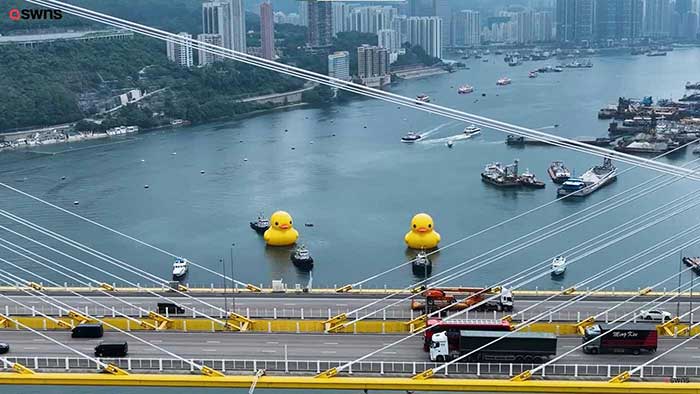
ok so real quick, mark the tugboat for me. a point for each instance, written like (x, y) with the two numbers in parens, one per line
(503, 81)
(465, 89)
(471, 130)
(180, 268)
(421, 265)
(592, 180)
(302, 258)
(261, 225)
(558, 265)
(423, 98)
(558, 172)
(411, 137)
(528, 179)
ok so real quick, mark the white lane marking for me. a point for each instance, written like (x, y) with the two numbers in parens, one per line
(213, 342)
(269, 351)
(389, 352)
(568, 346)
(157, 340)
(330, 343)
(29, 348)
(695, 356)
(573, 355)
(272, 343)
(44, 340)
(691, 348)
(208, 350)
(328, 351)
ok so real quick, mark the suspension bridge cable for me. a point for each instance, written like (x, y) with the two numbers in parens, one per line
(360, 89)
(570, 224)
(67, 308)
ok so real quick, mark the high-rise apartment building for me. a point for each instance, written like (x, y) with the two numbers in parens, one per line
(339, 65)
(180, 53)
(443, 9)
(657, 18)
(341, 12)
(426, 32)
(467, 28)
(370, 19)
(619, 19)
(320, 28)
(226, 17)
(575, 20)
(373, 65)
(421, 8)
(304, 12)
(205, 57)
(542, 25)
(267, 31)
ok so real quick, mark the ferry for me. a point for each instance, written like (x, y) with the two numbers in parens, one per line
(528, 179)
(471, 130)
(411, 137)
(423, 98)
(502, 176)
(180, 268)
(503, 81)
(421, 265)
(532, 74)
(558, 172)
(593, 179)
(261, 225)
(558, 265)
(302, 259)
(465, 89)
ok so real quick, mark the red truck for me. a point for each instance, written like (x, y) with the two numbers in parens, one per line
(628, 338)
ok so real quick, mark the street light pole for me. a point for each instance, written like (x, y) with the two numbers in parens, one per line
(233, 283)
(223, 266)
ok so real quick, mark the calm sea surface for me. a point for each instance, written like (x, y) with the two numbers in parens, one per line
(344, 169)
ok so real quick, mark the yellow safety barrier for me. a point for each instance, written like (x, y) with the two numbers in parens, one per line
(21, 369)
(114, 370)
(569, 291)
(669, 326)
(621, 378)
(585, 323)
(334, 323)
(253, 288)
(645, 291)
(35, 286)
(418, 323)
(163, 322)
(344, 289)
(108, 287)
(78, 316)
(206, 371)
(327, 374)
(4, 321)
(306, 384)
(238, 322)
(427, 374)
(523, 376)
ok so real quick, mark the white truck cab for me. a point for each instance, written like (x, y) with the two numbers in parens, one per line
(439, 347)
(507, 299)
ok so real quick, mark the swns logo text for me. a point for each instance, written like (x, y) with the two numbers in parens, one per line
(34, 14)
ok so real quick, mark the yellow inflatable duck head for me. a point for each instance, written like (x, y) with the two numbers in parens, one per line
(281, 232)
(422, 234)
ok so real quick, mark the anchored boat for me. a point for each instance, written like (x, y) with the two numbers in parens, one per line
(558, 265)
(261, 225)
(302, 258)
(528, 179)
(558, 172)
(421, 265)
(592, 180)
(180, 268)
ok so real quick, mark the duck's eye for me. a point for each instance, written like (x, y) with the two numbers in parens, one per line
(414, 226)
(430, 225)
(290, 222)
(277, 224)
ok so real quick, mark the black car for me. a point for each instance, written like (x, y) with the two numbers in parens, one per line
(4, 348)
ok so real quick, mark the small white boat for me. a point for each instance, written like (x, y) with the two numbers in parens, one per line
(423, 98)
(180, 267)
(503, 81)
(449, 143)
(465, 89)
(471, 130)
(411, 137)
(558, 265)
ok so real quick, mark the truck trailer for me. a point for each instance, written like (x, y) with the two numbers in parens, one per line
(526, 347)
(628, 338)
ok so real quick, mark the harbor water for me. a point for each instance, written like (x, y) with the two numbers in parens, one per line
(343, 169)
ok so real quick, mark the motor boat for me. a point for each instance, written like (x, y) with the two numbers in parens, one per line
(532, 74)
(302, 259)
(449, 143)
(180, 268)
(411, 137)
(421, 265)
(423, 98)
(465, 89)
(558, 265)
(503, 82)
(261, 225)
(528, 179)
(471, 130)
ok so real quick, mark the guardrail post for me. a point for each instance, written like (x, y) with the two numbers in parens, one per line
(550, 316)
(36, 363)
(128, 364)
(191, 365)
(274, 313)
(7, 310)
(674, 371)
(302, 313)
(478, 369)
(578, 316)
(160, 364)
(255, 365)
(383, 314)
(67, 364)
(381, 367)
(286, 361)
(510, 369)
(247, 312)
(608, 370)
(318, 366)
(641, 373)
(114, 312)
(350, 369)
(33, 311)
(576, 370)
(329, 313)
(414, 368)
(194, 313)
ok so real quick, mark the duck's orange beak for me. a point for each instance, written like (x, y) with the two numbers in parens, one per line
(284, 226)
(422, 229)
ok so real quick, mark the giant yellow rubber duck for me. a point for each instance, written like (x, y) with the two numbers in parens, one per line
(281, 232)
(422, 234)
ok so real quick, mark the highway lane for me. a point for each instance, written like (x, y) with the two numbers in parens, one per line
(321, 307)
(302, 347)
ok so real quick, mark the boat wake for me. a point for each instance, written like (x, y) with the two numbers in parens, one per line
(453, 138)
(436, 129)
